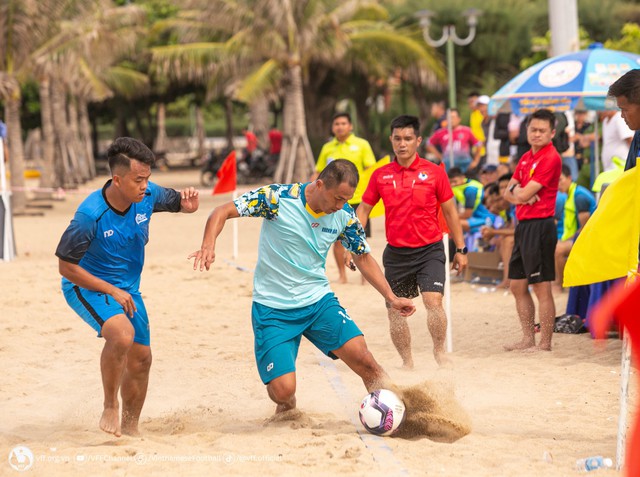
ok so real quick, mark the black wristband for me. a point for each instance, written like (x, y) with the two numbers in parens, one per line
(513, 187)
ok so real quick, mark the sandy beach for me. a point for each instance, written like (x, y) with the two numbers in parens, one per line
(207, 413)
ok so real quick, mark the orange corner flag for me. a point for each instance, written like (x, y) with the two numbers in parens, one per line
(227, 175)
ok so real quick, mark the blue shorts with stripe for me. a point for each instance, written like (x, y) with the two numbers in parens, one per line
(95, 308)
(277, 333)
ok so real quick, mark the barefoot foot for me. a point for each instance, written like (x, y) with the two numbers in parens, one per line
(519, 346)
(284, 407)
(110, 421)
(442, 359)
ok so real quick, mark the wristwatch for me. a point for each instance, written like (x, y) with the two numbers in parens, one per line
(462, 251)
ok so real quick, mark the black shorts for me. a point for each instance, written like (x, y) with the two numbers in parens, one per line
(407, 269)
(367, 229)
(534, 250)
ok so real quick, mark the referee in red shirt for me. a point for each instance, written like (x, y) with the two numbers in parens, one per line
(412, 190)
(533, 189)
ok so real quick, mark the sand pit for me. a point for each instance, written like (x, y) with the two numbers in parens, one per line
(492, 413)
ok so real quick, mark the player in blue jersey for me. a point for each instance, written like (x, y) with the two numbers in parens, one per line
(291, 295)
(101, 255)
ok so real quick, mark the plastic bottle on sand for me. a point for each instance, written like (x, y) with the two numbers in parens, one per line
(593, 463)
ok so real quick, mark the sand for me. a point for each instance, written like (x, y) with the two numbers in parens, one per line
(207, 413)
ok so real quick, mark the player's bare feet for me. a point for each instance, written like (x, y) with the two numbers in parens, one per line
(110, 421)
(535, 349)
(442, 359)
(284, 407)
(130, 426)
(407, 364)
(519, 346)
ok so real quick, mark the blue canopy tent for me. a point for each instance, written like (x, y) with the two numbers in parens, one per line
(577, 80)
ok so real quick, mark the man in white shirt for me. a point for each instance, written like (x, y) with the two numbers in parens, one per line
(616, 138)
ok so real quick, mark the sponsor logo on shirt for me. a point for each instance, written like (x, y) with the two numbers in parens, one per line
(423, 176)
(314, 225)
(141, 218)
(108, 233)
(269, 367)
(389, 176)
(327, 230)
(533, 169)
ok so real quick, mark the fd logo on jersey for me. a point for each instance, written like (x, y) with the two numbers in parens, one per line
(141, 218)
(423, 176)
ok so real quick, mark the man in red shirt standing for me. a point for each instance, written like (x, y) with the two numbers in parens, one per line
(533, 189)
(413, 190)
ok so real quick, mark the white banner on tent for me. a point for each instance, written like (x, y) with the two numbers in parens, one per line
(8, 251)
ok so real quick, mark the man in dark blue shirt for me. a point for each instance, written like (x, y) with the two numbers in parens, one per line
(100, 256)
(626, 90)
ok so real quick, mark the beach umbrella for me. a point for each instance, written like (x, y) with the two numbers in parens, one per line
(567, 82)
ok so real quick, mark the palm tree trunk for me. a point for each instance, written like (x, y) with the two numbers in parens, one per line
(200, 132)
(48, 175)
(161, 134)
(259, 111)
(16, 152)
(85, 135)
(228, 116)
(65, 172)
(296, 159)
(74, 140)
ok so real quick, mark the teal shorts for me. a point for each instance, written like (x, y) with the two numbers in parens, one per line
(277, 333)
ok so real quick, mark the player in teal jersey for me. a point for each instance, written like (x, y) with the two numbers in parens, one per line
(291, 296)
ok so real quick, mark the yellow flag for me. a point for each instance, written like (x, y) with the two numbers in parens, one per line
(607, 247)
(365, 177)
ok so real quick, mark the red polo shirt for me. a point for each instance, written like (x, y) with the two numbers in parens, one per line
(544, 167)
(411, 197)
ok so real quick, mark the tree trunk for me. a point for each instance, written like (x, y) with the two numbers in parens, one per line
(65, 172)
(200, 132)
(161, 134)
(259, 111)
(228, 116)
(74, 140)
(48, 177)
(296, 159)
(16, 152)
(85, 136)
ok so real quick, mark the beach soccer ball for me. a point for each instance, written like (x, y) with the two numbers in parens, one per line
(382, 412)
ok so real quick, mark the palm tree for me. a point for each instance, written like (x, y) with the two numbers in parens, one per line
(78, 65)
(281, 40)
(23, 24)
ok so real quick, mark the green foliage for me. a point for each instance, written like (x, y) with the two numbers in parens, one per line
(630, 40)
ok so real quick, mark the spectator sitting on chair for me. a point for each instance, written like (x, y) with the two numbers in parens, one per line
(578, 208)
